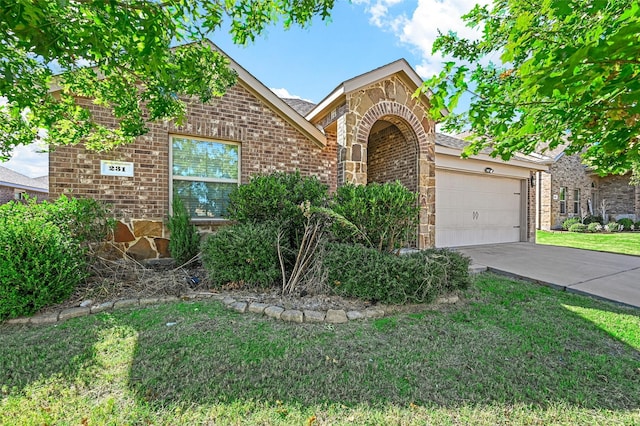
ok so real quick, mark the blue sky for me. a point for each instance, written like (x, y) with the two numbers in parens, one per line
(309, 63)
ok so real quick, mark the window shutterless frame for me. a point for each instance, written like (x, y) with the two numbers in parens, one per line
(202, 173)
(563, 200)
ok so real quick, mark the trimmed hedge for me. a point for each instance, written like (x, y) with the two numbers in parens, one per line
(569, 222)
(578, 227)
(244, 253)
(365, 273)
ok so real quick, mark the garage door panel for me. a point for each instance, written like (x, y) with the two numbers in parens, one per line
(476, 209)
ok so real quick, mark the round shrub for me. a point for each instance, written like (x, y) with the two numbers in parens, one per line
(612, 227)
(39, 265)
(578, 227)
(592, 219)
(275, 197)
(366, 273)
(637, 226)
(245, 254)
(594, 227)
(627, 224)
(568, 222)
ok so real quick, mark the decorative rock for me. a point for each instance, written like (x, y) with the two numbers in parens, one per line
(228, 300)
(169, 299)
(453, 299)
(74, 313)
(239, 307)
(162, 246)
(149, 301)
(142, 250)
(147, 228)
(126, 303)
(20, 320)
(292, 315)
(122, 233)
(273, 312)
(257, 308)
(336, 316)
(373, 313)
(101, 307)
(352, 315)
(44, 319)
(86, 303)
(314, 316)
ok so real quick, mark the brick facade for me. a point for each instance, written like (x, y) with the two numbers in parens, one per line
(7, 193)
(622, 199)
(391, 157)
(268, 143)
(569, 172)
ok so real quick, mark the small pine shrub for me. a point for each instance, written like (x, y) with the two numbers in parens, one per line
(39, 265)
(637, 226)
(627, 224)
(568, 222)
(244, 254)
(184, 243)
(594, 227)
(366, 273)
(385, 214)
(578, 227)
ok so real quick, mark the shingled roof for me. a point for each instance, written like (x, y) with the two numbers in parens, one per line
(301, 106)
(17, 180)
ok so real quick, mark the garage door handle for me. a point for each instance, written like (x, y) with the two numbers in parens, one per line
(517, 226)
(475, 215)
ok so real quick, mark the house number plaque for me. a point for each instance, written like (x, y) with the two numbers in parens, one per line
(116, 168)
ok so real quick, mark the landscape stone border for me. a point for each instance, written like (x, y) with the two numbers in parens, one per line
(331, 316)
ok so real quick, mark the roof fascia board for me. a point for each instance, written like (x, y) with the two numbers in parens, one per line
(25, 187)
(443, 150)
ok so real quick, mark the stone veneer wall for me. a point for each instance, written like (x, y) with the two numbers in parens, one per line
(7, 193)
(268, 143)
(391, 100)
(391, 157)
(623, 200)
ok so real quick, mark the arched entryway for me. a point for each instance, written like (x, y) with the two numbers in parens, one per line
(392, 153)
(397, 147)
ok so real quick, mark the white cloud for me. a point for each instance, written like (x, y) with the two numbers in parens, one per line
(284, 93)
(419, 27)
(29, 161)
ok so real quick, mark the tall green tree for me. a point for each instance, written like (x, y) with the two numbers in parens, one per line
(118, 54)
(546, 73)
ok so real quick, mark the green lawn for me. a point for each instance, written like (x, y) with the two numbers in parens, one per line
(622, 242)
(509, 353)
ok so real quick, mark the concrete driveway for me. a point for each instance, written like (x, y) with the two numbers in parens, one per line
(614, 277)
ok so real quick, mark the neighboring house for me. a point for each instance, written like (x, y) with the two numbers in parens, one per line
(570, 189)
(369, 129)
(16, 186)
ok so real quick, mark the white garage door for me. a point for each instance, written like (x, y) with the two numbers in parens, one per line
(476, 209)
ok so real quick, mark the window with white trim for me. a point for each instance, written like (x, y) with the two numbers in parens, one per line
(563, 200)
(204, 172)
(576, 201)
(19, 194)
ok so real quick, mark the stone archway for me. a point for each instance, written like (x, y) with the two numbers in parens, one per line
(415, 133)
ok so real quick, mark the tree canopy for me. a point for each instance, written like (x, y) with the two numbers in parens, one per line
(118, 54)
(547, 73)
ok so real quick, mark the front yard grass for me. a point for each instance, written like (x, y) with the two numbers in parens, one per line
(509, 353)
(619, 242)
